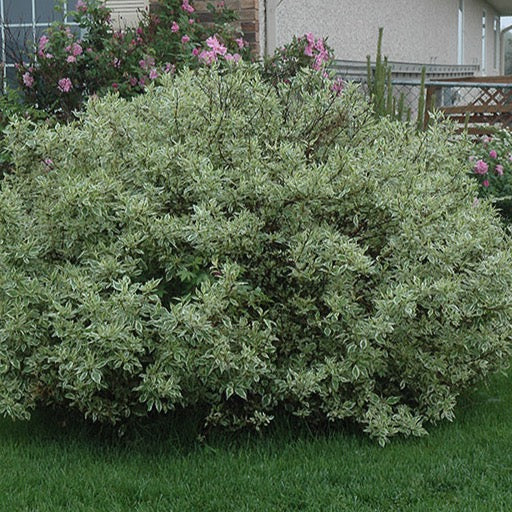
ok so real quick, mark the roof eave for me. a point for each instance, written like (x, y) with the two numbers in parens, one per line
(502, 7)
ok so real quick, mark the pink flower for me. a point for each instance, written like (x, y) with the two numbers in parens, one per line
(43, 41)
(65, 85)
(147, 63)
(317, 64)
(76, 49)
(28, 79)
(221, 4)
(169, 68)
(115, 86)
(81, 6)
(187, 7)
(493, 154)
(71, 58)
(481, 167)
(323, 56)
(310, 38)
(195, 52)
(208, 56)
(319, 45)
(240, 42)
(133, 81)
(174, 27)
(216, 46)
(139, 31)
(185, 39)
(337, 86)
(48, 162)
(485, 183)
(233, 58)
(191, 21)
(153, 74)
(499, 170)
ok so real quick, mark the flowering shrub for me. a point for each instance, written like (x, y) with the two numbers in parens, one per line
(66, 69)
(216, 243)
(194, 41)
(491, 162)
(302, 52)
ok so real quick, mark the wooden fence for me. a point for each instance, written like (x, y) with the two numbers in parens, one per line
(478, 103)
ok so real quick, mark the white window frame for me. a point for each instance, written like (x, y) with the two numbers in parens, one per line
(460, 33)
(496, 57)
(34, 24)
(483, 63)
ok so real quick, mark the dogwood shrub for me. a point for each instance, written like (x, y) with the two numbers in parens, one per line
(225, 244)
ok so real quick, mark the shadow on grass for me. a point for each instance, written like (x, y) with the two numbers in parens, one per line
(182, 432)
(179, 433)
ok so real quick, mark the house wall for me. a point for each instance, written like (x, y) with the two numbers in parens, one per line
(473, 36)
(125, 13)
(424, 31)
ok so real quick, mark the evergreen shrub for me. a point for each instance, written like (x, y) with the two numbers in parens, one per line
(243, 248)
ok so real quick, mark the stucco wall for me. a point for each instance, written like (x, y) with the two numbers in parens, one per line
(473, 35)
(424, 31)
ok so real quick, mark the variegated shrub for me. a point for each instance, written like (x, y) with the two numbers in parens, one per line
(221, 242)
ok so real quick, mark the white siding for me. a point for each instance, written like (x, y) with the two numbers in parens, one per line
(126, 12)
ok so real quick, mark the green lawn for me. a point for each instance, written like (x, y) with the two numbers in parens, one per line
(462, 466)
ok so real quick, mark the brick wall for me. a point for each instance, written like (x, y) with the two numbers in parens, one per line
(248, 17)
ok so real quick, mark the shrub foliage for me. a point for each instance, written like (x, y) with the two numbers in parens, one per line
(226, 244)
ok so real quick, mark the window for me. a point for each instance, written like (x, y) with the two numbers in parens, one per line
(460, 34)
(496, 59)
(22, 22)
(484, 46)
